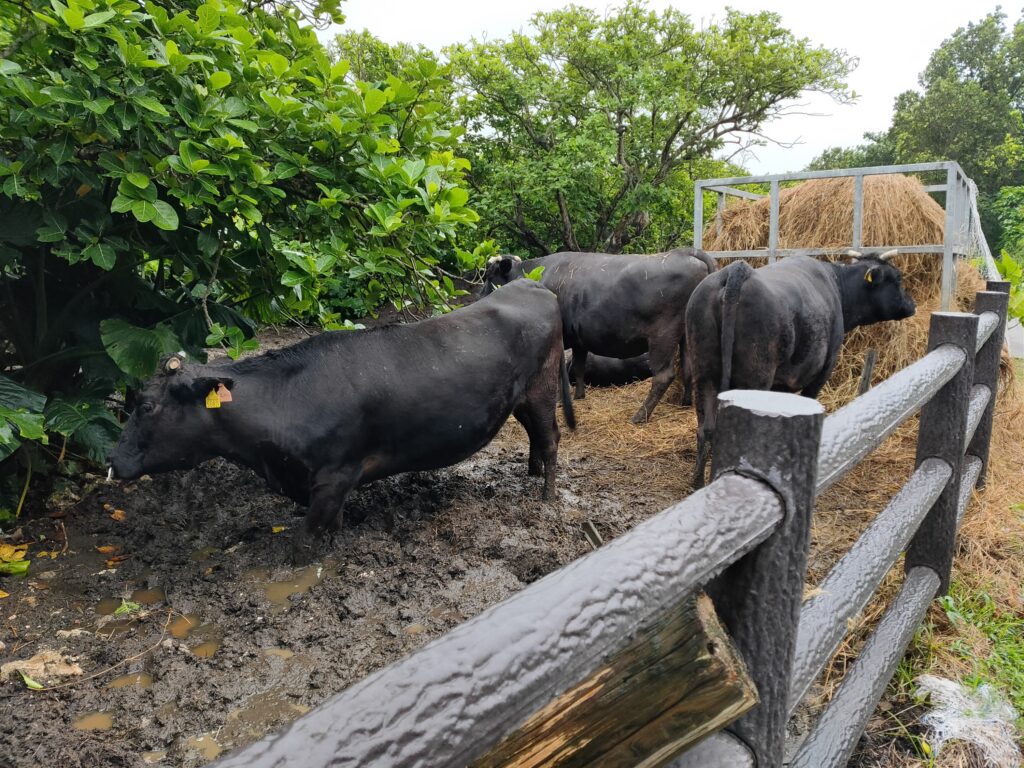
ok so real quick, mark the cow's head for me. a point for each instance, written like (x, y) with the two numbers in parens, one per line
(873, 291)
(501, 270)
(172, 423)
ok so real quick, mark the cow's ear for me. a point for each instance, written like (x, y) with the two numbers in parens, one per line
(204, 385)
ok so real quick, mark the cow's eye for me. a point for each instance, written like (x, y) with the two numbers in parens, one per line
(147, 407)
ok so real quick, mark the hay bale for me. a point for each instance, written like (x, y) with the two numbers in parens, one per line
(819, 214)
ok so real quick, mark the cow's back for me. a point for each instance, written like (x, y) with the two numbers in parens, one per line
(611, 303)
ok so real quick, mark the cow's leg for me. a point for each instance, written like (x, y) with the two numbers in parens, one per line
(660, 354)
(579, 366)
(328, 490)
(706, 404)
(536, 464)
(686, 398)
(538, 411)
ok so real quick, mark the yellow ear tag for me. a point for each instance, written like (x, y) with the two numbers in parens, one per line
(867, 276)
(213, 399)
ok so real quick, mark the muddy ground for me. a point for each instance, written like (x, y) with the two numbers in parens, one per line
(230, 641)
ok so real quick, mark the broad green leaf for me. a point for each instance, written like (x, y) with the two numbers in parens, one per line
(15, 396)
(8, 67)
(99, 106)
(140, 180)
(152, 104)
(121, 204)
(136, 351)
(101, 254)
(95, 19)
(373, 100)
(292, 278)
(143, 210)
(165, 217)
(219, 80)
(74, 17)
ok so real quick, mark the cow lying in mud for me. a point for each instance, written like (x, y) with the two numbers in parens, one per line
(345, 408)
(618, 305)
(781, 327)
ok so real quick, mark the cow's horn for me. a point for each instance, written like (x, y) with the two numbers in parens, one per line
(173, 363)
(852, 253)
(494, 259)
(888, 254)
(516, 259)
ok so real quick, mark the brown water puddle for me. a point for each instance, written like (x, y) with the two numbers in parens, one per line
(182, 626)
(298, 582)
(94, 721)
(108, 605)
(205, 650)
(149, 596)
(205, 745)
(141, 679)
(154, 757)
(261, 713)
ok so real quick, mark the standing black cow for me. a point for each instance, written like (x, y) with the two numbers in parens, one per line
(781, 327)
(341, 409)
(618, 305)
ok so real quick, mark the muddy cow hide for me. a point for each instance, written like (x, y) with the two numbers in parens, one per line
(341, 409)
(781, 327)
(618, 305)
(611, 371)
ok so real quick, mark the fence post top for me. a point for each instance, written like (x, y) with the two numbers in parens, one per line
(953, 314)
(771, 403)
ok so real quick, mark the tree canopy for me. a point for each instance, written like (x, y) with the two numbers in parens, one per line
(586, 131)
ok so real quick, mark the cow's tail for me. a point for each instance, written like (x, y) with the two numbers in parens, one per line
(709, 261)
(567, 409)
(737, 276)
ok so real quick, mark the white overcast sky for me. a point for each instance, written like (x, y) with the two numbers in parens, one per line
(893, 41)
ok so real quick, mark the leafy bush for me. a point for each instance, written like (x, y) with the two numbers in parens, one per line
(173, 173)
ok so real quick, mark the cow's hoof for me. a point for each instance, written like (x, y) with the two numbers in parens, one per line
(547, 495)
(579, 396)
(640, 417)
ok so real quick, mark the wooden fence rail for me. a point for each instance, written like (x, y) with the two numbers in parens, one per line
(619, 659)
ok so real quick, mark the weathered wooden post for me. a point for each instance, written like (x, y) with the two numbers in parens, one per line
(986, 368)
(773, 437)
(942, 435)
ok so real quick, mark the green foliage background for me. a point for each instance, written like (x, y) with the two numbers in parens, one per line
(173, 174)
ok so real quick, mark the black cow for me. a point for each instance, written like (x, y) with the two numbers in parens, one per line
(618, 305)
(781, 327)
(611, 371)
(341, 409)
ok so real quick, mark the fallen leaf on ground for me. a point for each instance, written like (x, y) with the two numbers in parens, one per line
(10, 552)
(119, 515)
(126, 606)
(4, 594)
(116, 560)
(30, 682)
(107, 549)
(278, 528)
(45, 665)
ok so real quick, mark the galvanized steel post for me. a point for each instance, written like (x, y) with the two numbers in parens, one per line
(986, 368)
(773, 437)
(948, 264)
(942, 435)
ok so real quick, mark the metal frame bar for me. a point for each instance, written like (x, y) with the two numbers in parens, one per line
(961, 227)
